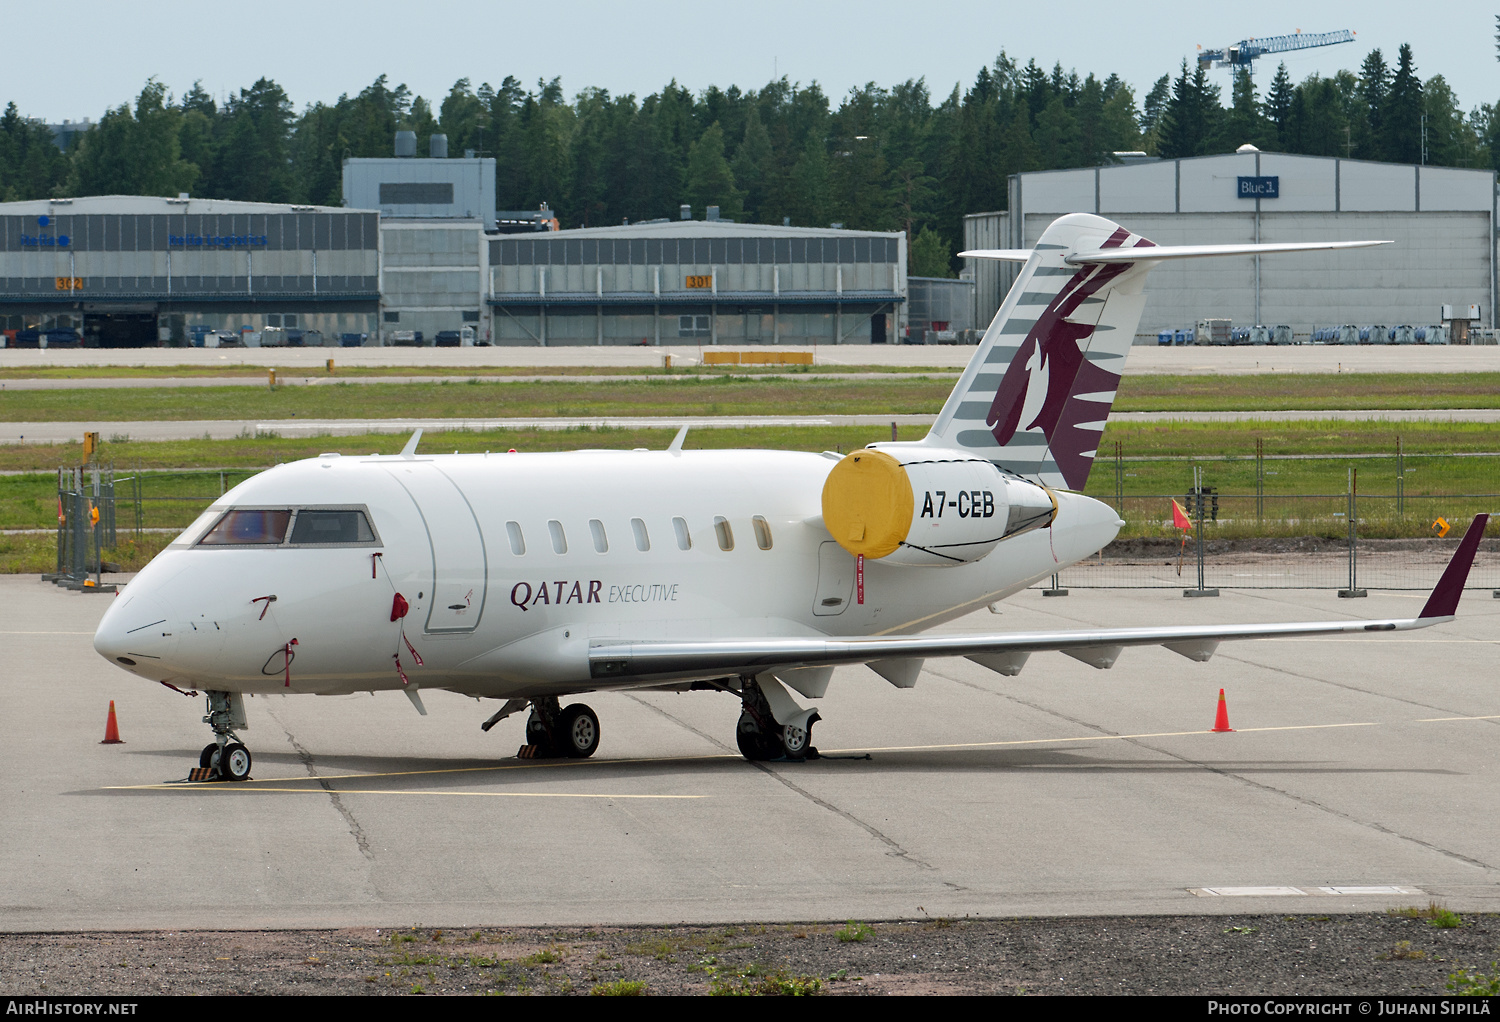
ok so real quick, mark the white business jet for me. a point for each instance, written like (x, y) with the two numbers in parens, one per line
(531, 577)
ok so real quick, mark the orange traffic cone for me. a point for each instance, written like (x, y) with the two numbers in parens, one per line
(1221, 719)
(111, 728)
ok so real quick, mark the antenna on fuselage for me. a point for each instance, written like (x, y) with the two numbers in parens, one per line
(675, 447)
(410, 450)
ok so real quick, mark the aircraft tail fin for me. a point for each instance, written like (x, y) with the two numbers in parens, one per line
(1035, 396)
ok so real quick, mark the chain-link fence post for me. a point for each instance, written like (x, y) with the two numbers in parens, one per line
(1199, 501)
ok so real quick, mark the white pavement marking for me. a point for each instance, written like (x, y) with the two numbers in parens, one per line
(1297, 892)
(1249, 892)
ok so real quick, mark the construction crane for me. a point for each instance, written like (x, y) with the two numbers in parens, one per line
(1243, 53)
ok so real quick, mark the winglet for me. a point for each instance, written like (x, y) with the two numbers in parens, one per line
(1444, 599)
(675, 447)
(410, 450)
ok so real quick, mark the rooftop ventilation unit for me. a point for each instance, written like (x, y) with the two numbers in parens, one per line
(437, 147)
(406, 143)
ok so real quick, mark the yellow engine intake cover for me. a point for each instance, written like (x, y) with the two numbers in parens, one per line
(867, 503)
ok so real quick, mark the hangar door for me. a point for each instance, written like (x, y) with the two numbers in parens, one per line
(459, 562)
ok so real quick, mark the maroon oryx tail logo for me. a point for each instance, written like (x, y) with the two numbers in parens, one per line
(1056, 341)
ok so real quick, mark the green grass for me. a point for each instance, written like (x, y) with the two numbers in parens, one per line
(488, 398)
(1310, 391)
(1436, 915)
(854, 933)
(1474, 983)
(471, 394)
(227, 369)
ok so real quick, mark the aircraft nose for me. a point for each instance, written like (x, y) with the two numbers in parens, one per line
(137, 631)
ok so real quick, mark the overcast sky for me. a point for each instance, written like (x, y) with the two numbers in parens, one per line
(76, 60)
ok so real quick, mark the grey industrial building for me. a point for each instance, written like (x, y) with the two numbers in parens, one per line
(127, 270)
(1441, 219)
(697, 281)
(452, 266)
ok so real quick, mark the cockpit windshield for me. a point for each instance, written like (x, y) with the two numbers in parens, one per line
(246, 527)
(297, 526)
(331, 527)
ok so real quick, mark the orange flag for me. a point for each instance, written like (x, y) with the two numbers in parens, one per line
(1179, 517)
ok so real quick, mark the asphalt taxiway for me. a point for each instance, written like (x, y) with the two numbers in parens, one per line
(1361, 776)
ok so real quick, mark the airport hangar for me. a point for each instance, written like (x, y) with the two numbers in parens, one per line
(1442, 221)
(134, 271)
(450, 259)
(421, 256)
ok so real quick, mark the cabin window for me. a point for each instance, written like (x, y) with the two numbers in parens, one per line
(642, 537)
(601, 541)
(559, 538)
(331, 527)
(762, 532)
(248, 527)
(724, 533)
(684, 538)
(517, 540)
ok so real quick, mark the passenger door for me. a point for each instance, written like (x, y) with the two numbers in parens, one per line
(460, 567)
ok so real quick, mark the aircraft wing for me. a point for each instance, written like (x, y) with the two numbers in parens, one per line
(1004, 652)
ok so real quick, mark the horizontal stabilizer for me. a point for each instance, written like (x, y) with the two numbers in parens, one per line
(1152, 253)
(1010, 255)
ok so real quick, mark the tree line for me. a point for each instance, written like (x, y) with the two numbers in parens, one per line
(893, 158)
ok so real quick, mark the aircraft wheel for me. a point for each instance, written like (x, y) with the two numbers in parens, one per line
(234, 764)
(210, 755)
(795, 741)
(755, 745)
(579, 731)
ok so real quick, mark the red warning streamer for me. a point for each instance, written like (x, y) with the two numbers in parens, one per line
(287, 652)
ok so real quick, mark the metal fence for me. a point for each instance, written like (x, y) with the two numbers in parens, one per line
(1347, 522)
(85, 527)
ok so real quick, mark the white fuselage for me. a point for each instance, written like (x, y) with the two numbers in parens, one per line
(511, 564)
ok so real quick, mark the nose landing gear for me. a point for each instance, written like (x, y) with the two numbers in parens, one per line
(226, 758)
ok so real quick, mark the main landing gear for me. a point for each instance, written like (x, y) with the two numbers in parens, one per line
(571, 731)
(225, 758)
(761, 738)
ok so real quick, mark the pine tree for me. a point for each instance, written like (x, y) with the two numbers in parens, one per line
(1243, 123)
(929, 255)
(754, 167)
(1374, 90)
(1278, 108)
(1401, 122)
(710, 181)
(809, 194)
(1192, 115)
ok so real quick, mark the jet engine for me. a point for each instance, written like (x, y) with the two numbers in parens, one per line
(925, 506)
